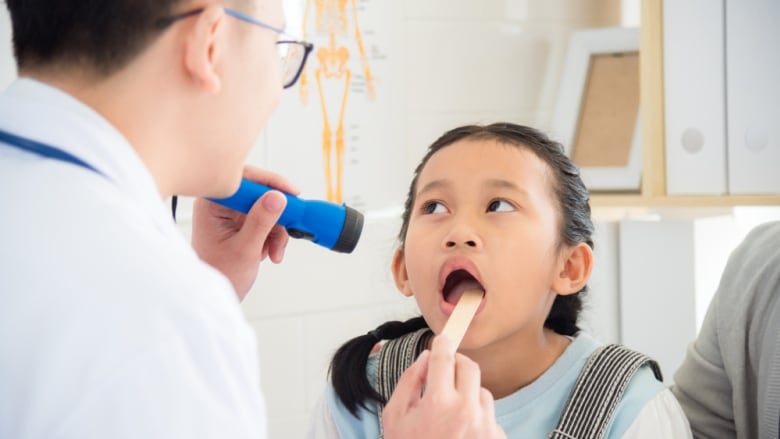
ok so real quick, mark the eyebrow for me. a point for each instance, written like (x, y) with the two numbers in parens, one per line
(492, 183)
(505, 184)
(435, 184)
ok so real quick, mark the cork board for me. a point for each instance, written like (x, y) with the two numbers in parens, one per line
(608, 112)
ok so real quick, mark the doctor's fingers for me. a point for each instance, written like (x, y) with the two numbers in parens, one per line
(469, 408)
(409, 388)
(440, 379)
(473, 402)
(473, 415)
(489, 427)
(259, 231)
(467, 379)
(271, 179)
(275, 244)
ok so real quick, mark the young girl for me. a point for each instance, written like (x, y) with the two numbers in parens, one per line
(500, 208)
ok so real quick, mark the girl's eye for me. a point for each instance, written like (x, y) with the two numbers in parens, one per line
(434, 207)
(500, 206)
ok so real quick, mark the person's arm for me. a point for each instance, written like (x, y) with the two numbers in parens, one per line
(235, 243)
(702, 386)
(727, 373)
(454, 404)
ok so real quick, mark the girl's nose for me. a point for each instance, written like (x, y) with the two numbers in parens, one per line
(469, 243)
(462, 235)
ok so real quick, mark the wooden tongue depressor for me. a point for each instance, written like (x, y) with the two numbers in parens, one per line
(461, 316)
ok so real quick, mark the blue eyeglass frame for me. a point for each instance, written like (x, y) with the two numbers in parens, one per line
(165, 22)
(307, 47)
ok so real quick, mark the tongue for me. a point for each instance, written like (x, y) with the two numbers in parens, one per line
(457, 291)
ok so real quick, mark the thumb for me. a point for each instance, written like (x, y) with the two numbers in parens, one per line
(409, 388)
(263, 216)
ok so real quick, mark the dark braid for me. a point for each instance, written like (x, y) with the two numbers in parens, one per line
(348, 367)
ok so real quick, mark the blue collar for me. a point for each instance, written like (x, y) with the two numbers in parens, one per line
(44, 150)
(52, 152)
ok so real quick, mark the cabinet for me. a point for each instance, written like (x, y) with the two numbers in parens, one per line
(653, 192)
(681, 289)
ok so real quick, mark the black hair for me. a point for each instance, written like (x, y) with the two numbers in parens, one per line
(99, 35)
(348, 367)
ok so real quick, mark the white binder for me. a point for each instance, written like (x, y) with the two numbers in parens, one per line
(694, 94)
(753, 91)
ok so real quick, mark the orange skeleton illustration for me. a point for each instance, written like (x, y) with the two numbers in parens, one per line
(331, 19)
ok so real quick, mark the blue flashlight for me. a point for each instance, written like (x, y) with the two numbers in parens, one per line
(331, 225)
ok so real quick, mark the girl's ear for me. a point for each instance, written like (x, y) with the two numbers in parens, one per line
(575, 269)
(399, 273)
(203, 48)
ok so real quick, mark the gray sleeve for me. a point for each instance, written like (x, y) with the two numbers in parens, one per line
(728, 382)
(702, 387)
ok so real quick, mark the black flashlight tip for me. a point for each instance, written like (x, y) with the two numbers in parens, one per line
(350, 231)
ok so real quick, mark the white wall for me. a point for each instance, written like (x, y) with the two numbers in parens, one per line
(466, 62)
(7, 66)
(491, 60)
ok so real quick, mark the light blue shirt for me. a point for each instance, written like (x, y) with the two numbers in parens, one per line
(532, 411)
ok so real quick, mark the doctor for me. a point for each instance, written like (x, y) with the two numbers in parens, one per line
(111, 325)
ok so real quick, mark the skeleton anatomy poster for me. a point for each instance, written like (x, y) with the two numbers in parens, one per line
(339, 133)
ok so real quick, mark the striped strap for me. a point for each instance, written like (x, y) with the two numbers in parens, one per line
(598, 390)
(394, 358)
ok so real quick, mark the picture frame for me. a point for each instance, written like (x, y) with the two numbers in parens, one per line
(596, 115)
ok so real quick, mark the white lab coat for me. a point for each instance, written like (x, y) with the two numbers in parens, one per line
(110, 326)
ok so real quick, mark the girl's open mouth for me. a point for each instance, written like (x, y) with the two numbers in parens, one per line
(456, 283)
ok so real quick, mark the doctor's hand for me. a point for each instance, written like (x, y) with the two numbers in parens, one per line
(454, 404)
(235, 243)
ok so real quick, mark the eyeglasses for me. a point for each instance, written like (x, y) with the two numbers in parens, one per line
(292, 52)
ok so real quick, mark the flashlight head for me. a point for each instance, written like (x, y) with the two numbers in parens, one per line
(331, 225)
(350, 233)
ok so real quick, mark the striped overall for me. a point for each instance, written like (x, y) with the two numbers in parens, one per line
(591, 403)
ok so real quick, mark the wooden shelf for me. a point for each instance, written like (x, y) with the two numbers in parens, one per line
(651, 98)
(639, 200)
(651, 74)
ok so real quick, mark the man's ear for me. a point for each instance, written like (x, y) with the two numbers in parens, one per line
(203, 48)
(576, 264)
(399, 273)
